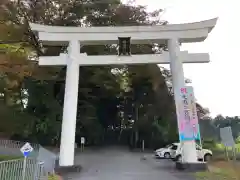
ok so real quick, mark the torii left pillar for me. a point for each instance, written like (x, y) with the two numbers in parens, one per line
(70, 106)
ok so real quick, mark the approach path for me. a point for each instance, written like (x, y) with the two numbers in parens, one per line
(121, 164)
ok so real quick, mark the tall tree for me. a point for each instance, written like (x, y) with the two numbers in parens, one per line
(100, 101)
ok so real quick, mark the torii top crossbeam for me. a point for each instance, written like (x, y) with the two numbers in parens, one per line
(185, 33)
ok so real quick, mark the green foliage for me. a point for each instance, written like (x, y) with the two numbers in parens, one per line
(210, 128)
(6, 158)
(216, 175)
(53, 177)
(129, 101)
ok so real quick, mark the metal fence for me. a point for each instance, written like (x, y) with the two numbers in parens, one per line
(40, 162)
(15, 170)
(208, 131)
(49, 159)
(12, 148)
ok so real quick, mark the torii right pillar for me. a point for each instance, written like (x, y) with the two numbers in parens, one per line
(189, 153)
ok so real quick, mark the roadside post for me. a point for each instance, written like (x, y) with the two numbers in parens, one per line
(26, 150)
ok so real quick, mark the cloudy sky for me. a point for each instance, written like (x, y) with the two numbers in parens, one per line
(216, 84)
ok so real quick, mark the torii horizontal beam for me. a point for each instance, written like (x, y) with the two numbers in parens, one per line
(84, 60)
(189, 32)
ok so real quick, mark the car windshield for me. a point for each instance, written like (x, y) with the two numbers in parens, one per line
(174, 147)
(168, 146)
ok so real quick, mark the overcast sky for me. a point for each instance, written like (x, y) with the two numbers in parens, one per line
(216, 84)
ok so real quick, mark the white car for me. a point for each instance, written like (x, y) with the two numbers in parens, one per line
(202, 154)
(166, 151)
(174, 151)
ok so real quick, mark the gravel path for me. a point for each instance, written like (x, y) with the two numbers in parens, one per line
(120, 164)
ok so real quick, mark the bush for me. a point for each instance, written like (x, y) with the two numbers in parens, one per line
(209, 144)
(54, 177)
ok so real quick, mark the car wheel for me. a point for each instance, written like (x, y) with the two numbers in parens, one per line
(167, 155)
(207, 157)
(179, 158)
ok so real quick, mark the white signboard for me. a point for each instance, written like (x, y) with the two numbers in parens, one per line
(227, 137)
(82, 140)
(26, 149)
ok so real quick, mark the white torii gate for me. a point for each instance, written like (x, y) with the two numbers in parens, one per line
(74, 36)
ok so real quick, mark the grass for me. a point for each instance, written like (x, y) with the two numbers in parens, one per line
(221, 170)
(221, 167)
(219, 146)
(53, 177)
(219, 152)
(6, 158)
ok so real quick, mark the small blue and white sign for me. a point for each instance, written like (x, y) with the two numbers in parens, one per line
(26, 149)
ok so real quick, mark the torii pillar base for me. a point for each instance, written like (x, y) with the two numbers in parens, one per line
(64, 170)
(192, 167)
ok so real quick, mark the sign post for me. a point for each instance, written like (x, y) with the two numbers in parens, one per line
(26, 150)
(82, 143)
(227, 139)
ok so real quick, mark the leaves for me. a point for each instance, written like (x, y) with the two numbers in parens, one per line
(35, 94)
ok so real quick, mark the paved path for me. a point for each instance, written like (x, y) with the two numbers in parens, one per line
(120, 164)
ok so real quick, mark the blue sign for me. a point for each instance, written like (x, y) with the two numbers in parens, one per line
(184, 138)
(26, 149)
(198, 135)
(26, 153)
(187, 134)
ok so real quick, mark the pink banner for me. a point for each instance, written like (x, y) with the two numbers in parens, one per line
(187, 119)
